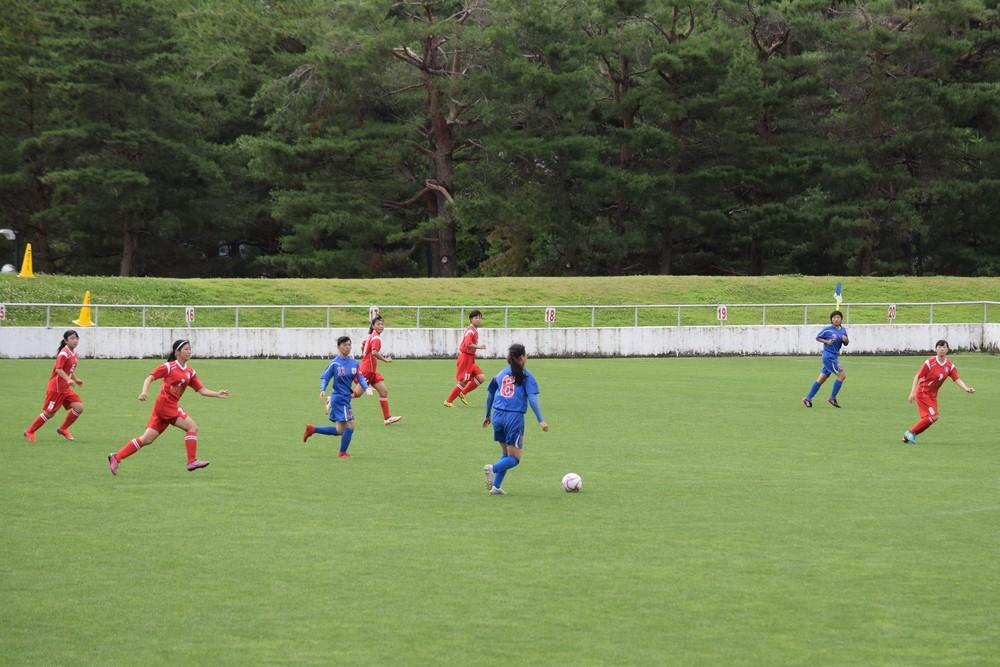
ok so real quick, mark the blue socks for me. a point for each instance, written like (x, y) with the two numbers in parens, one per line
(836, 388)
(501, 467)
(812, 392)
(345, 439)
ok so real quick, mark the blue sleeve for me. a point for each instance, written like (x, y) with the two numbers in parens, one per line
(537, 409)
(325, 378)
(491, 392)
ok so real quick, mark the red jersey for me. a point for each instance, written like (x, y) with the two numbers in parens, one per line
(933, 374)
(176, 378)
(369, 346)
(66, 362)
(470, 339)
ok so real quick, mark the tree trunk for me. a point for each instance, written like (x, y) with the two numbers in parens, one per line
(130, 251)
(442, 165)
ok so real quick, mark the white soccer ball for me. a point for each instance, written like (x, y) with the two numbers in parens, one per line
(572, 482)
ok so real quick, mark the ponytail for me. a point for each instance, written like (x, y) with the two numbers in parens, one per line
(178, 344)
(66, 335)
(515, 352)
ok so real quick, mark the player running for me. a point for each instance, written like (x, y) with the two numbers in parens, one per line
(343, 371)
(177, 376)
(468, 374)
(833, 338)
(58, 392)
(925, 387)
(371, 354)
(510, 394)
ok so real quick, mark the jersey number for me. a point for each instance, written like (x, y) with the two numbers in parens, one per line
(507, 386)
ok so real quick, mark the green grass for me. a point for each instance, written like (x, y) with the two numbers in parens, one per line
(720, 522)
(479, 292)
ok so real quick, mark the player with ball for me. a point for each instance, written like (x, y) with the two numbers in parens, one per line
(510, 393)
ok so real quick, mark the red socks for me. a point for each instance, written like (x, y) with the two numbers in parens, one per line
(130, 448)
(384, 403)
(456, 390)
(38, 423)
(921, 425)
(471, 386)
(191, 445)
(71, 417)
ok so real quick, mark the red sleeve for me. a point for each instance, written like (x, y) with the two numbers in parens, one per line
(954, 373)
(159, 372)
(66, 364)
(196, 382)
(376, 344)
(469, 339)
(923, 371)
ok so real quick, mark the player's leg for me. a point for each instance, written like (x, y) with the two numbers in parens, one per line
(74, 405)
(49, 408)
(462, 378)
(807, 399)
(928, 415)
(508, 430)
(190, 428)
(346, 429)
(383, 400)
(152, 432)
(476, 378)
(837, 384)
(510, 459)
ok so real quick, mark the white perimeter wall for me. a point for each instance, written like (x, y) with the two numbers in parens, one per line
(124, 342)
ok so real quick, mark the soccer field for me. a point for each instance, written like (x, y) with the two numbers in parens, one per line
(720, 521)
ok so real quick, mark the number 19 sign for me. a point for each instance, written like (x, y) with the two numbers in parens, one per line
(721, 313)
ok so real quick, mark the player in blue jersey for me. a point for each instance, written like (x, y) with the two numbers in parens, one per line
(833, 338)
(510, 394)
(343, 371)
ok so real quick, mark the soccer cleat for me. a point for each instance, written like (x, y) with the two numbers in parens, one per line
(806, 402)
(343, 455)
(462, 398)
(488, 469)
(392, 420)
(64, 432)
(909, 438)
(494, 491)
(833, 401)
(30, 437)
(310, 429)
(447, 404)
(196, 464)
(113, 463)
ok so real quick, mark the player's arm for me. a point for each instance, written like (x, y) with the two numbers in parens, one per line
(537, 409)
(67, 378)
(913, 387)
(966, 388)
(387, 358)
(844, 339)
(491, 392)
(324, 380)
(77, 380)
(145, 387)
(211, 393)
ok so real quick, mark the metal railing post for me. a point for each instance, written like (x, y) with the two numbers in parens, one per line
(144, 317)
(805, 314)
(636, 316)
(237, 317)
(506, 312)
(418, 317)
(48, 316)
(461, 317)
(678, 315)
(282, 317)
(763, 314)
(932, 313)
(328, 317)
(847, 317)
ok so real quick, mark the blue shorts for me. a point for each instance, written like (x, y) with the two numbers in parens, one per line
(832, 367)
(340, 410)
(508, 428)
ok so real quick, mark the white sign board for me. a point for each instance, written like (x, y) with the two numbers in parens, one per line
(189, 314)
(550, 314)
(891, 314)
(721, 313)
(3, 312)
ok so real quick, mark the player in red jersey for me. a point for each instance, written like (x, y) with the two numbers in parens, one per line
(371, 354)
(925, 387)
(469, 375)
(58, 392)
(177, 376)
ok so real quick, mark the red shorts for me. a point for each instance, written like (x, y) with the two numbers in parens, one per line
(53, 400)
(165, 415)
(927, 406)
(468, 371)
(374, 377)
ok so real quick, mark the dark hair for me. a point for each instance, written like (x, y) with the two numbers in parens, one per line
(515, 352)
(942, 342)
(836, 312)
(178, 344)
(67, 334)
(475, 313)
(342, 340)
(377, 318)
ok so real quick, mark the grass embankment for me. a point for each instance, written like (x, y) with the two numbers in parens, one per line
(479, 292)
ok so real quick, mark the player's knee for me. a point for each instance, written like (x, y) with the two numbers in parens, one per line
(933, 418)
(192, 426)
(77, 407)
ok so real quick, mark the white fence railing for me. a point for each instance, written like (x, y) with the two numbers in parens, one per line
(553, 316)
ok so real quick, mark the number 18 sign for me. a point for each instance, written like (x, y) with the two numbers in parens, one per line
(550, 314)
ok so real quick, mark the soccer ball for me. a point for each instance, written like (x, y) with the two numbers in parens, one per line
(572, 482)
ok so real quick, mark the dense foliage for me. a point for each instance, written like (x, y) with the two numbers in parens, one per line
(501, 137)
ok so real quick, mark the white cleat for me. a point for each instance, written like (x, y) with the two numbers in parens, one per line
(494, 491)
(488, 469)
(392, 420)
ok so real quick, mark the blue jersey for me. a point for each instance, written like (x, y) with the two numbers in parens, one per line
(343, 371)
(831, 352)
(509, 396)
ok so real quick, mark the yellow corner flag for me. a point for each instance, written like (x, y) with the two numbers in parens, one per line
(26, 271)
(85, 320)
